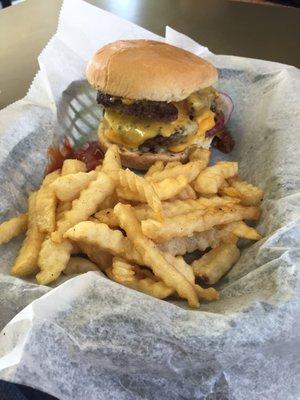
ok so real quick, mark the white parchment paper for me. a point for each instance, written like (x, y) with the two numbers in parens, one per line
(90, 338)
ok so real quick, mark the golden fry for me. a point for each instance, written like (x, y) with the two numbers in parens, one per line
(153, 257)
(72, 167)
(172, 164)
(209, 294)
(45, 207)
(197, 153)
(170, 209)
(110, 201)
(165, 189)
(250, 195)
(216, 263)
(187, 193)
(242, 230)
(123, 271)
(69, 167)
(199, 241)
(197, 221)
(137, 184)
(104, 239)
(112, 163)
(68, 187)
(102, 259)
(133, 277)
(79, 265)
(190, 170)
(211, 179)
(157, 166)
(107, 217)
(26, 261)
(12, 228)
(178, 207)
(53, 259)
(86, 205)
(61, 208)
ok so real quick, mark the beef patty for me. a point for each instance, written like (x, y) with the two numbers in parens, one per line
(158, 110)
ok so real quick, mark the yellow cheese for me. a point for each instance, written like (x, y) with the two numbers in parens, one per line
(205, 122)
(132, 131)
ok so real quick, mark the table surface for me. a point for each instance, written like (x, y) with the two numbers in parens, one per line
(226, 27)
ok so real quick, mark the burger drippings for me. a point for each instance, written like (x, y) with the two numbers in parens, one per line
(89, 153)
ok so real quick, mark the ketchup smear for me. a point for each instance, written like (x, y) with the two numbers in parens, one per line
(90, 153)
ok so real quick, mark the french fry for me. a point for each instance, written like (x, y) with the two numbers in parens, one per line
(69, 167)
(108, 217)
(187, 193)
(211, 179)
(68, 187)
(110, 201)
(172, 164)
(250, 195)
(79, 265)
(112, 163)
(157, 166)
(26, 261)
(178, 207)
(86, 205)
(165, 189)
(61, 208)
(242, 230)
(45, 207)
(13, 227)
(209, 294)
(227, 237)
(123, 271)
(170, 209)
(102, 259)
(132, 276)
(137, 184)
(52, 260)
(199, 241)
(104, 239)
(190, 170)
(153, 257)
(154, 288)
(72, 167)
(181, 266)
(216, 263)
(197, 153)
(197, 221)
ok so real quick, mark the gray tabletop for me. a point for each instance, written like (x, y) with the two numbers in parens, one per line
(226, 27)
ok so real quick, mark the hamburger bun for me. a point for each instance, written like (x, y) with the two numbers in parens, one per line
(137, 159)
(123, 69)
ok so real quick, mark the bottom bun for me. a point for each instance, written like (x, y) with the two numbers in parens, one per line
(139, 160)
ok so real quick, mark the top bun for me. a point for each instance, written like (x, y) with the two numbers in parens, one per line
(148, 70)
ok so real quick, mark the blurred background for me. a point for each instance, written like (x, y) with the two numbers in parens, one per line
(290, 3)
(262, 29)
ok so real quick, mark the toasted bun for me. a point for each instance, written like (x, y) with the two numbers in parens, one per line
(137, 159)
(148, 70)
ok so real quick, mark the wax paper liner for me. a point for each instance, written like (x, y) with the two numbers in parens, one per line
(90, 338)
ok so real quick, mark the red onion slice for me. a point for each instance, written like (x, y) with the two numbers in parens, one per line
(224, 110)
(225, 104)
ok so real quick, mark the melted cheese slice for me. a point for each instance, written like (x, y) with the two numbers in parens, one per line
(131, 131)
(206, 121)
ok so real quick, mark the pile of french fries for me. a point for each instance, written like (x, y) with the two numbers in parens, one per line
(136, 229)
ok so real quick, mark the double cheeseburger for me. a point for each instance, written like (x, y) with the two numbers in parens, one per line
(158, 101)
